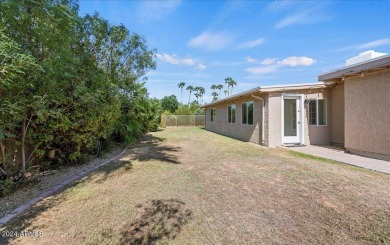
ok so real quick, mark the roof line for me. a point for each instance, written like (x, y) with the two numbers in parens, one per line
(267, 89)
(355, 65)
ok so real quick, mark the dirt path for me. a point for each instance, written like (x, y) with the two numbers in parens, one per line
(190, 186)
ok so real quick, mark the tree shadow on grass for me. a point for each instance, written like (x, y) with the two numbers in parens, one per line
(108, 170)
(150, 148)
(156, 220)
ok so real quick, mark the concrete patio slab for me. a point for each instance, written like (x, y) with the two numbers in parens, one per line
(338, 154)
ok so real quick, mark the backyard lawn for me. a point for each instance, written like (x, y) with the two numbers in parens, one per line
(191, 186)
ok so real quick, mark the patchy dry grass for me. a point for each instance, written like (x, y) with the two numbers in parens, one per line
(190, 186)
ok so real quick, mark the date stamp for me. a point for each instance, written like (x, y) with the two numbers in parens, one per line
(26, 233)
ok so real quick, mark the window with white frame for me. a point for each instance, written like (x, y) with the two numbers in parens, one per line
(232, 114)
(317, 112)
(247, 113)
(213, 114)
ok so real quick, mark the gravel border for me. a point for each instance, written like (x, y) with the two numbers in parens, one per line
(58, 187)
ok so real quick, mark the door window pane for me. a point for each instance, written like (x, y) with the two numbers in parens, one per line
(290, 117)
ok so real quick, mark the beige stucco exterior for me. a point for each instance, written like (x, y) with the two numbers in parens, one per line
(357, 111)
(337, 114)
(367, 114)
(313, 134)
(237, 130)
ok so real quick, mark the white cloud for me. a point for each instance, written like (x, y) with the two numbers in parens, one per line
(200, 67)
(296, 61)
(250, 59)
(262, 69)
(279, 5)
(267, 61)
(211, 41)
(310, 12)
(226, 63)
(290, 20)
(174, 60)
(373, 44)
(251, 44)
(271, 65)
(148, 10)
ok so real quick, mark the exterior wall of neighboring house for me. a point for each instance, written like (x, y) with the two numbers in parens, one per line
(313, 134)
(337, 114)
(237, 130)
(367, 115)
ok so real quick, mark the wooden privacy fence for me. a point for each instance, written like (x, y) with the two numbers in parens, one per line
(182, 120)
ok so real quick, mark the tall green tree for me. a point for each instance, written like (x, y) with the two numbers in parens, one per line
(69, 82)
(169, 103)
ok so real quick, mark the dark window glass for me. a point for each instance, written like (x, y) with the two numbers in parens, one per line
(250, 112)
(313, 112)
(321, 112)
(229, 114)
(233, 113)
(244, 113)
(213, 114)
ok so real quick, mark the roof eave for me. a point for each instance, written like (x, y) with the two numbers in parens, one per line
(356, 68)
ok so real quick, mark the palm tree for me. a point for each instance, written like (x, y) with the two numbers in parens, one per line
(181, 86)
(227, 82)
(197, 95)
(215, 96)
(219, 87)
(226, 92)
(197, 90)
(202, 91)
(213, 87)
(190, 89)
(230, 83)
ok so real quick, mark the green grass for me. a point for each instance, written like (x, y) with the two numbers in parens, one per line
(191, 186)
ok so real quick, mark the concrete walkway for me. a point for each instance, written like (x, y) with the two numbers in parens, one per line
(338, 154)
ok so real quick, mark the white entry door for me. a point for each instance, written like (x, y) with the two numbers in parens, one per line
(291, 120)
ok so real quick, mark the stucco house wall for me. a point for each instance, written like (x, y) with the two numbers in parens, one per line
(313, 134)
(337, 110)
(318, 134)
(367, 114)
(273, 122)
(237, 130)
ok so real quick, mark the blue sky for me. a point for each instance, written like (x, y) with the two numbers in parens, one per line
(257, 43)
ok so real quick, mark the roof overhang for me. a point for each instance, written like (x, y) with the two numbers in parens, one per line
(268, 89)
(372, 65)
